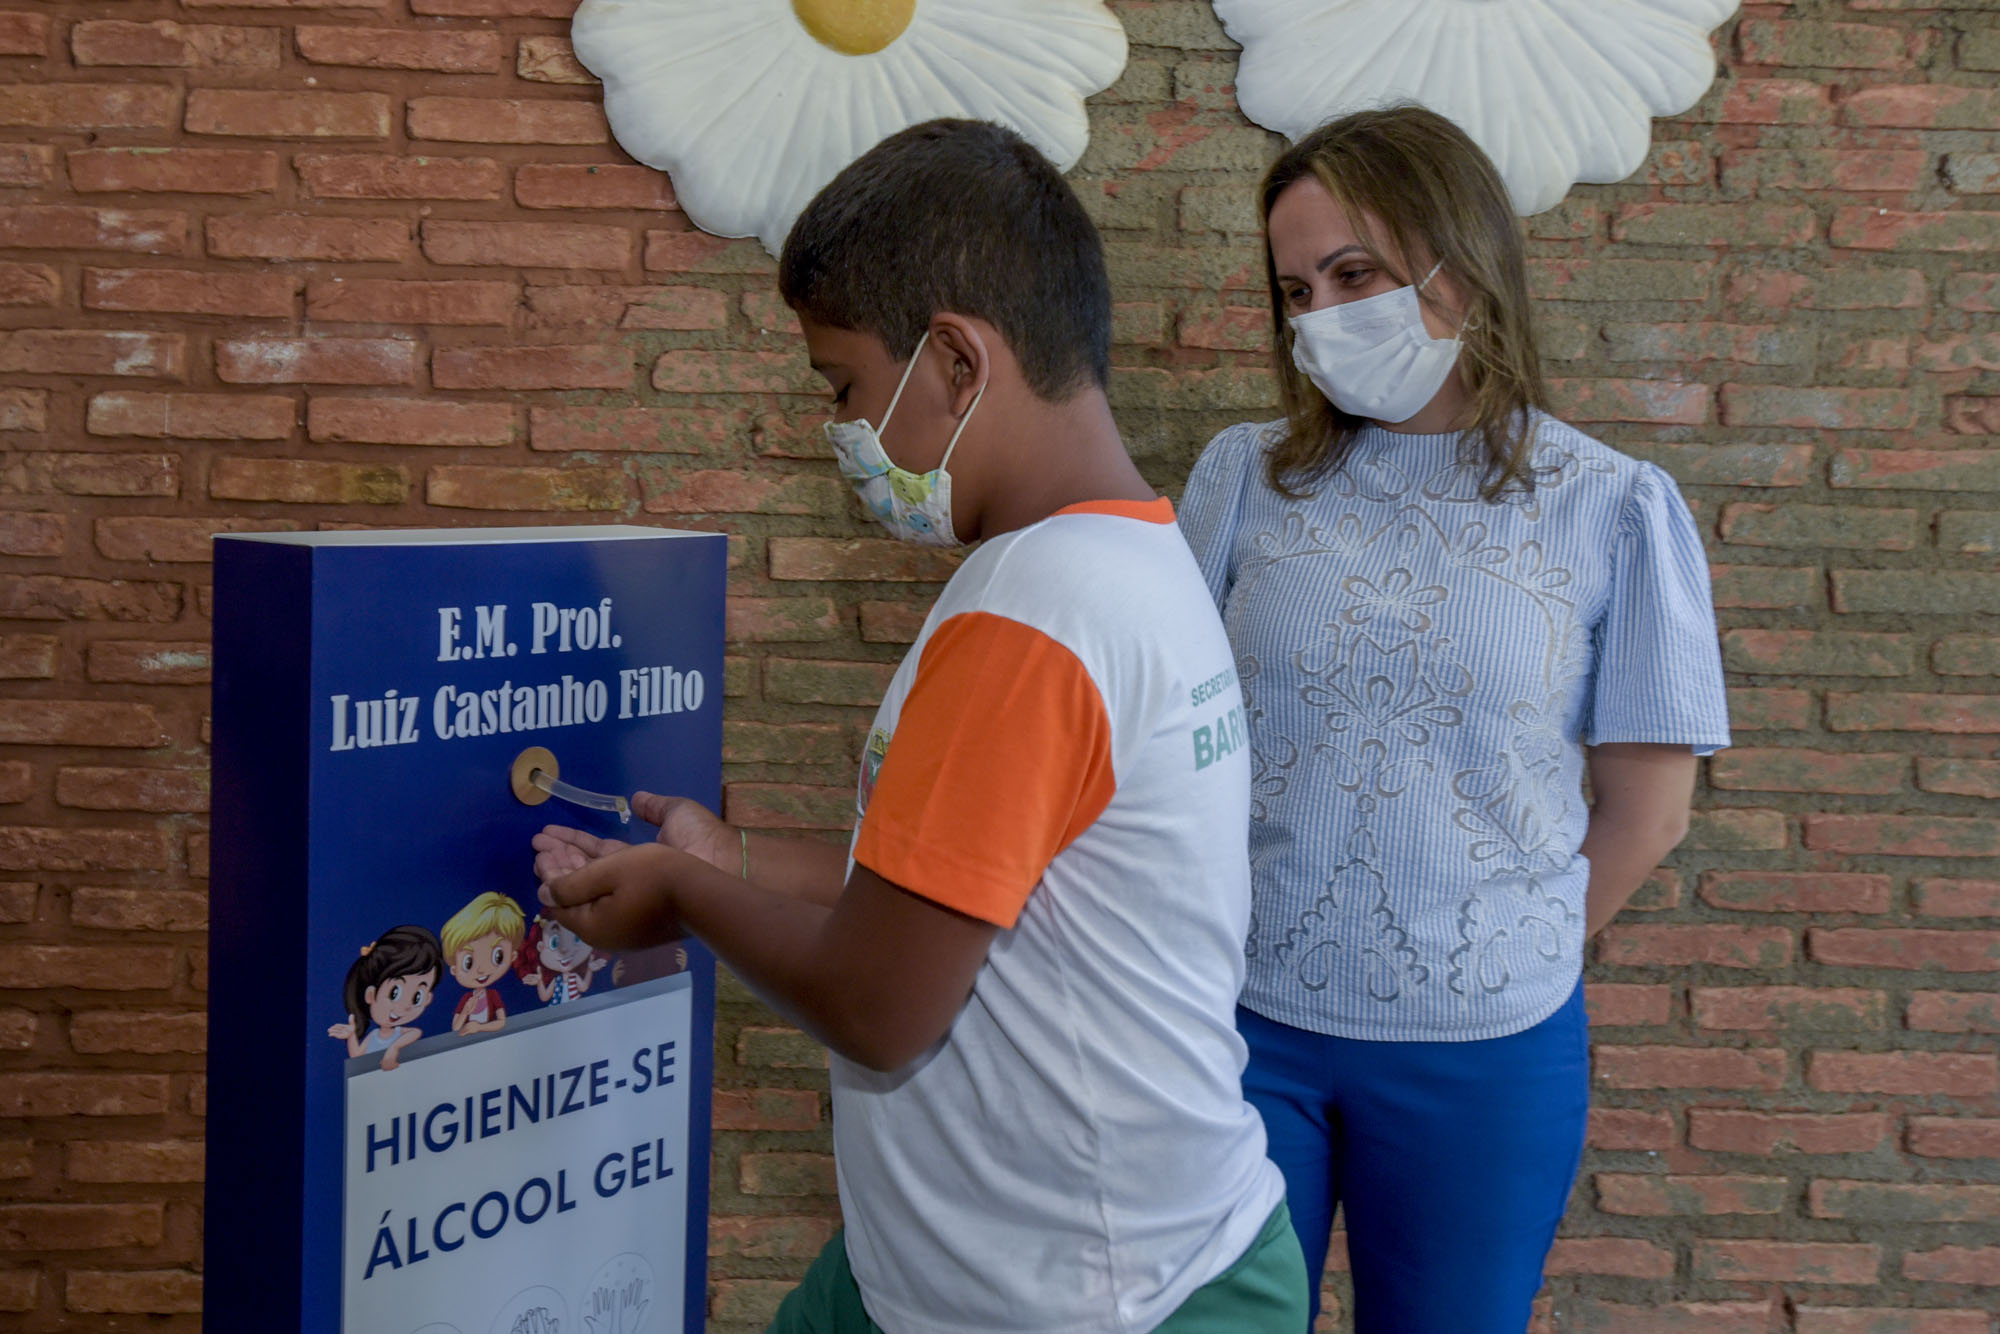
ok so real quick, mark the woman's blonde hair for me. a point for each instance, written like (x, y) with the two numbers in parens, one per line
(1435, 197)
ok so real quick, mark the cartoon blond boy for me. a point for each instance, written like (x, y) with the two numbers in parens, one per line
(480, 942)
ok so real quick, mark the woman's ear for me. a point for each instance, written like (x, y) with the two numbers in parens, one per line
(965, 342)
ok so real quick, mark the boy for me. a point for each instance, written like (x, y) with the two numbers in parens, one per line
(1027, 966)
(480, 943)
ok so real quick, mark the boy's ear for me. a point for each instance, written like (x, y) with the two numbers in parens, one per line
(966, 343)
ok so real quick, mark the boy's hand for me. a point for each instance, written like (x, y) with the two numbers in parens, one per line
(560, 850)
(692, 828)
(620, 901)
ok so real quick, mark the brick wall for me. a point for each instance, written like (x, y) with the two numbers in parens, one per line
(276, 265)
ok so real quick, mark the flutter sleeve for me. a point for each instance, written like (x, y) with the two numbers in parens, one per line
(1212, 506)
(1659, 666)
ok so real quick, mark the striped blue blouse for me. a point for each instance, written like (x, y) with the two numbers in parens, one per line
(1422, 669)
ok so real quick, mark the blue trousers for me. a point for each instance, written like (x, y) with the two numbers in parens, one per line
(1453, 1162)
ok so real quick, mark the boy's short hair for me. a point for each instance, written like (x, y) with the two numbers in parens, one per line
(491, 914)
(959, 216)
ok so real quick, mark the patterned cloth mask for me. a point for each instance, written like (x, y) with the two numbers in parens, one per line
(1374, 358)
(915, 507)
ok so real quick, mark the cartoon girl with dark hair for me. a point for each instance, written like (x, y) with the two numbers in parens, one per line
(391, 983)
(557, 963)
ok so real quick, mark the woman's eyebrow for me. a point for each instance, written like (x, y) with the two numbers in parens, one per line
(1327, 263)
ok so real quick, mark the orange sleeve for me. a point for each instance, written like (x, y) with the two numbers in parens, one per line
(1000, 758)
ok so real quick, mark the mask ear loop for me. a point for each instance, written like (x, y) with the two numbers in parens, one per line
(970, 409)
(903, 383)
(1465, 324)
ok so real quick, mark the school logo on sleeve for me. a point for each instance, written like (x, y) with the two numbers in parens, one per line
(872, 756)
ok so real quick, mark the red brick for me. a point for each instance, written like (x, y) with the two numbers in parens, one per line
(533, 245)
(1732, 225)
(1953, 1012)
(1789, 1008)
(698, 371)
(1974, 1266)
(1814, 527)
(17, 782)
(51, 597)
(1880, 947)
(79, 1227)
(70, 107)
(1744, 101)
(698, 252)
(1889, 1202)
(778, 1049)
(59, 1093)
(144, 1032)
(191, 416)
(1973, 415)
(410, 421)
(492, 120)
(164, 43)
(783, 620)
(93, 474)
(1796, 891)
(1689, 1068)
(1695, 1196)
(1963, 778)
(73, 227)
(1958, 898)
(390, 48)
(316, 360)
(1593, 1316)
(300, 236)
(213, 171)
(781, 1238)
(557, 366)
(1766, 587)
(1818, 653)
(1628, 1004)
(1885, 229)
(651, 430)
(557, 489)
(532, 9)
(24, 35)
(26, 164)
(308, 482)
(1752, 344)
(1922, 107)
(154, 1292)
(1954, 1137)
(1787, 1262)
(190, 292)
(292, 114)
(27, 657)
(1822, 408)
(1784, 769)
(766, 1109)
(1884, 1320)
(1622, 1129)
(892, 622)
(382, 176)
(139, 909)
(166, 791)
(550, 60)
(1686, 946)
(1966, 655)
(876, 559)
(1917, 469)
(786, 743)
(1960, 352)
(90, 967)
(1905, 1073)
(1972, 173)
(725, 491)
(1768, 710)
(619, 307)
(1751, 170)
(1728, 1130)
(1617, 1257)
(593, 185)
(93, 352)
(24, 848)
(118, 660)
(402, 301)
(28, 533)
(1913, 713)
(28, 285)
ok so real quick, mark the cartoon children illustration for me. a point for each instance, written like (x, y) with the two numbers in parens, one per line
(481, 942)
(557, 963)
(392, 983)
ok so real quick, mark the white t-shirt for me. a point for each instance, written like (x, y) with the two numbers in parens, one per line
(1062, 753)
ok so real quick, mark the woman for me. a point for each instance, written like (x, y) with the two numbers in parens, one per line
(1447, 607)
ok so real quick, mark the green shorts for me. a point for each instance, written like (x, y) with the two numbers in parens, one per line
(1264, 1292)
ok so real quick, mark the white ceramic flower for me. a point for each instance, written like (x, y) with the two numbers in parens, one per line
(1555, 91)
(753, 105)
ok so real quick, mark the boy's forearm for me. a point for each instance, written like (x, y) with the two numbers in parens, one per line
(798, 868)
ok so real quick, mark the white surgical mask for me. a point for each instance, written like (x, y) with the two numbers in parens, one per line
(915, 507)
(1374, 358)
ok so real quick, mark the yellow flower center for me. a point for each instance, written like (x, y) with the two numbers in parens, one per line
(855, 27)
